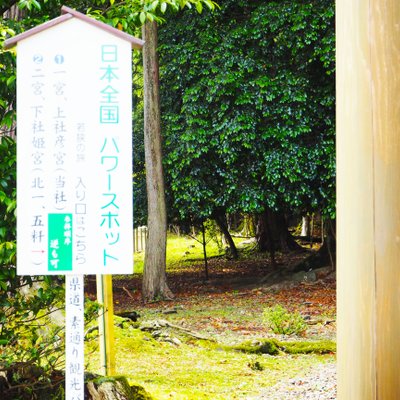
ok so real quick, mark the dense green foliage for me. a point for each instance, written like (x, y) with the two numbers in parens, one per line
(25, 301)
(7, 81)
(248, 108)
(7, 202)
(32, 328)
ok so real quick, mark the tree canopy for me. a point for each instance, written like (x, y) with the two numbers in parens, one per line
(248, 108)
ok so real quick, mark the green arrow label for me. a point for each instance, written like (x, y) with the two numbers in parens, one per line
(60, 242)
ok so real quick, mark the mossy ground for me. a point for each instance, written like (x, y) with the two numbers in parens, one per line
(229, 315)
(194, 370)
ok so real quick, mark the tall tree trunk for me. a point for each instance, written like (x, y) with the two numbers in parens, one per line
(223, 226)
(330, 243)
(272, 233)
(265, 238)
(154, 276)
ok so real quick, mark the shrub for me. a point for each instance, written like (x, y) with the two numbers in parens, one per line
(31, 339)
(281, 321)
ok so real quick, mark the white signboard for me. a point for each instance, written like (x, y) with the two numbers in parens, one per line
(74, 176)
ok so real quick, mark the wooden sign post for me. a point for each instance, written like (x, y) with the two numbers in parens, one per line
(368, 193)
(106, 327)
(74, 156)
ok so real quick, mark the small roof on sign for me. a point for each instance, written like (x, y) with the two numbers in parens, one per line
(68, 13)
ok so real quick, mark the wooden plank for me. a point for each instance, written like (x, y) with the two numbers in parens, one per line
(37, 29)
(385, 60)
(355, 204)
(368, 191)
(68, 13)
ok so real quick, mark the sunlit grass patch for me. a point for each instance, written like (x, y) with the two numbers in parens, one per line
(194, 371)
(183, 251)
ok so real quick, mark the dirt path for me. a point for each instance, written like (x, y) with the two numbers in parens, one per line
(231, 302)
(319, 383)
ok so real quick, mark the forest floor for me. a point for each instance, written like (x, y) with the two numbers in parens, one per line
(185, 354)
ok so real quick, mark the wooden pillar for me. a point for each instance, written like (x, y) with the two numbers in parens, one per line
(368, 198)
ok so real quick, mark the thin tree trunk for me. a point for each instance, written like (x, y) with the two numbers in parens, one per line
(203, 231)
(312, 230)
(305, 226)
(154, 276)
(322, 230)
(248, 226)
(8, 7)
(10, 10)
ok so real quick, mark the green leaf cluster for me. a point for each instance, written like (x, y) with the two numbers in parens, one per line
(29, 332)
(7, 81)
(7, 202)
(130, 15)
(248, 108)
(25, 301)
